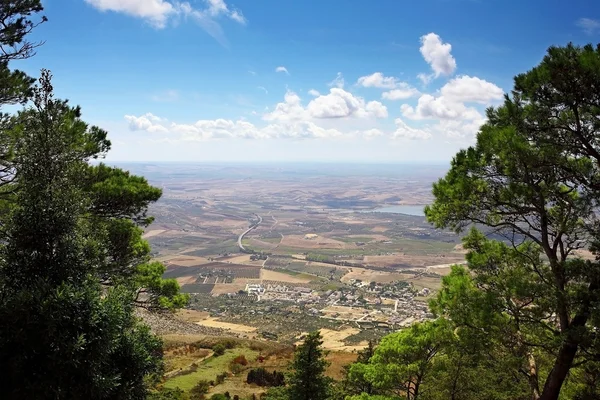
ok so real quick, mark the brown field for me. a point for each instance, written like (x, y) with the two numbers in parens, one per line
(373, 237)
(270, 275)
(320, 242)
(192, 315)
(413, 260)
(334, 340)
(153, 232)
(368, 275)
(337, 361)
(187, 261)
(224, 288)
(235, 328)
(185, 280)
(240, 259)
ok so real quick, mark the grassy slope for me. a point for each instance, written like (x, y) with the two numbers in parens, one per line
(210, 368)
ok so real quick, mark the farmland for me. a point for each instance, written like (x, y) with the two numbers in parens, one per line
(274, 251)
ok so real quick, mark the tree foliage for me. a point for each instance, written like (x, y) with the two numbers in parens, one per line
(533, 178)
(307, 380)
(61, 334)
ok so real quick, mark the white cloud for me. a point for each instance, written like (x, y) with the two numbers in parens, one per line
(147, 122)
(282, 69)
(156, 12)
(338, 81)
(459, 129)
(227, 129)
(425, 78)
(263, 89)
(430, 107)
(437, 54)
(340, 104)
(400, 94)
(378, 80)
(159, 12)
(253, 73)
(407, 132)
(471, 89)
(589, 26)
(290, 109)
(314, 92)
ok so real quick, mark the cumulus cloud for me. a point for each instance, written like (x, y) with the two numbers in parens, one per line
(430, 107)
(147, 122)
(158, 13)
(282, 69)
(589, 26)
(290, 109)
(338, 103)
(437, 54)
(378, 80)
(400, 94)
(228, 129)
(406, 132)
(314, 92)
(471, 89)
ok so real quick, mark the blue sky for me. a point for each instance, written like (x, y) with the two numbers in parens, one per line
(296, 80)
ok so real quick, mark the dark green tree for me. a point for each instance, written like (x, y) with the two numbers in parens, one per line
(355, 382)
(532, 178)
(62, 334)
(307, 380)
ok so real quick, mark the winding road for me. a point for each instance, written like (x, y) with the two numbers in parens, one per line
(240, 245)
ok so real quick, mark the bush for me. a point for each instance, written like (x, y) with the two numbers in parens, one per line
(220, 378)
(262, 377)
(218, 396)
(236, 368)
(219, 350)
(241, 360)
(199, 391)
(168, 394)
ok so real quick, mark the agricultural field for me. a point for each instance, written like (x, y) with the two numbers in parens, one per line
(330, 243)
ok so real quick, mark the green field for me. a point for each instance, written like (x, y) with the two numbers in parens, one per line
(210, 368)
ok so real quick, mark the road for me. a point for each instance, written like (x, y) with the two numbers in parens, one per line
(240, 245)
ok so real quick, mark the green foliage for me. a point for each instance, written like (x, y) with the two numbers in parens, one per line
(262, 377)
(276, 393)
(219, 349)
(168, 394)
(199, 391)
(218, 396)
(307, 380)
(533, 178)
(61, 333)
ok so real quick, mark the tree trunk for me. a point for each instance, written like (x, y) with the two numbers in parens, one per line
(559, 372)
(533, 377)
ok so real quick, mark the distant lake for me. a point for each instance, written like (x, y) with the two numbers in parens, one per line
(402, 209)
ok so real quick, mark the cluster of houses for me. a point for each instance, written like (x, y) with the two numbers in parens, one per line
(376, 306)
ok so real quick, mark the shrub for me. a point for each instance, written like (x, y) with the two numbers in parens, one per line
(220, 378)
(219, 349)
(218, 396)
(262, 377)
(241, 360)
(199, 391)
(236, 368)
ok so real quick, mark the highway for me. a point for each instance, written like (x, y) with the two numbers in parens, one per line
(240, 245)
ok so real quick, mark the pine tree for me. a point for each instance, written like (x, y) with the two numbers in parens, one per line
(308, 380)
(62, 334)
